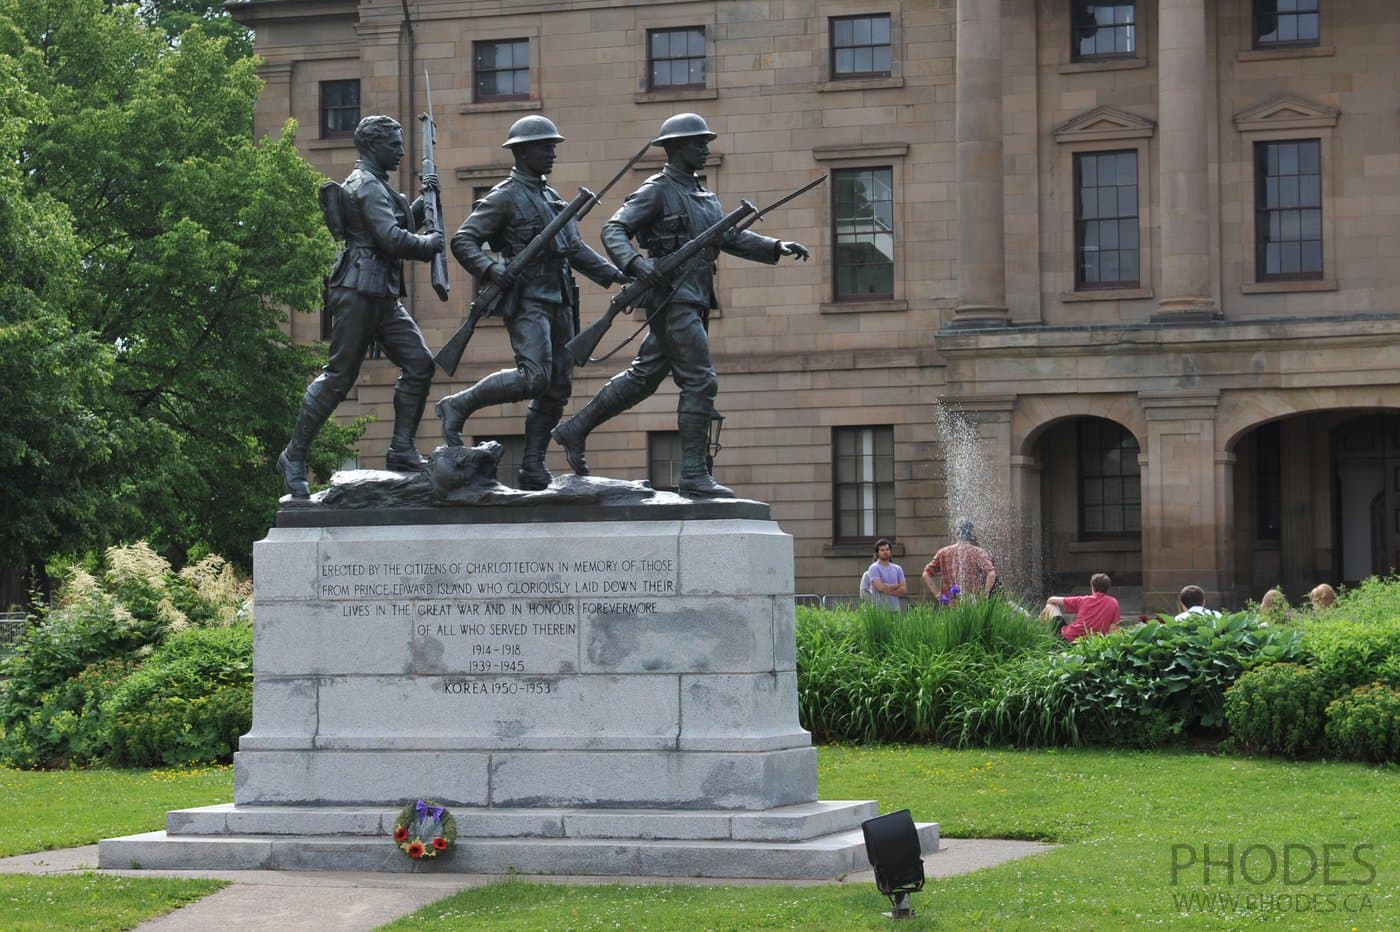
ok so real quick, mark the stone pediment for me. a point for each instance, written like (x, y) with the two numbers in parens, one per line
(1103, 123)
(1286, 111)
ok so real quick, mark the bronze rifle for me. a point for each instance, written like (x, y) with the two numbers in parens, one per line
(485, 302)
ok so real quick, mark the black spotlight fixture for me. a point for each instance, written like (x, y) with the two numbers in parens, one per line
(892, 845)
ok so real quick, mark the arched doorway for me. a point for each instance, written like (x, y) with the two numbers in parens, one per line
(1317, 499)
(1091, 507)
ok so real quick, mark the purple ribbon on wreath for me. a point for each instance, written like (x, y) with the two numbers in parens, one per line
(425, 811)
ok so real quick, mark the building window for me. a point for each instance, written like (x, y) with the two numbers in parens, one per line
(860, 46)
(676, 57)
(1106, 220)
(1103, 30)
(1285, 22)
(513, 451)
(664, 459)
(863, 231)
(1288, 209)
(1268, 481)
(863, 483)
(501, 69)
(340, 108)
(1110, 483)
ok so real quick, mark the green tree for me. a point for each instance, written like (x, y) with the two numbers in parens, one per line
(175, 17)
(56, 444)
(187, 245)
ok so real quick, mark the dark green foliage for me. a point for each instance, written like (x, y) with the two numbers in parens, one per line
(1277, 708)
(142, 634)
(1143, 686)
(189, 702)
(985, 673)
(1365, 724)
(65, 727)
(145, 371)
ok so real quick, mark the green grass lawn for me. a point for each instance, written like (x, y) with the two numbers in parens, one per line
(1130, 825)
(41, 810)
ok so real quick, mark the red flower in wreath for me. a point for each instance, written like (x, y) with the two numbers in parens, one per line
(401, 834)
(440, 843)
(415, 849)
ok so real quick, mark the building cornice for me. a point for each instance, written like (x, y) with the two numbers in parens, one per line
(1224, 335)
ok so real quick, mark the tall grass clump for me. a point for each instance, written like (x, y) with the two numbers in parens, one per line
(868, 674)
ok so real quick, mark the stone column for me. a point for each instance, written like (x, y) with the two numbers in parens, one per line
(981, 213)
(1183, 168)
(1184, 521)
(1296, 492)
(1028, 554)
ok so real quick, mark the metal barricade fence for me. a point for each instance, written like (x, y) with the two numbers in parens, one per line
(11, 629)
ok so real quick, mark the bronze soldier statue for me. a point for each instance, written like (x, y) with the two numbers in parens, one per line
(362, 296)
(541, 303)
(667, 211)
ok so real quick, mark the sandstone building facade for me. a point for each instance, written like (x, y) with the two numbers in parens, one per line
(1121, 280)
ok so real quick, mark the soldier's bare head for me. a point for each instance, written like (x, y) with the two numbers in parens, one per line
(376, 129)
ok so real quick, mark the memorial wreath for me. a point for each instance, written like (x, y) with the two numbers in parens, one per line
(424, 829)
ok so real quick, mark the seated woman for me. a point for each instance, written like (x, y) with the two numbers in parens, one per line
(1274, 606)
(1324, 596)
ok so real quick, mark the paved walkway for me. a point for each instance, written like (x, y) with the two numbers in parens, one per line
(288, 901)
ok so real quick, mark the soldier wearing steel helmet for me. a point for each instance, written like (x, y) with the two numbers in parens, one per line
(667, 211)
(540, 308)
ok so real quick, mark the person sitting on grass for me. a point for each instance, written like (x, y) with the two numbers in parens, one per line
(1096, 613)
(1192, 602)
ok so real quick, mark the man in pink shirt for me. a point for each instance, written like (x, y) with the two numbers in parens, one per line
(1093, 614)
(963, 567)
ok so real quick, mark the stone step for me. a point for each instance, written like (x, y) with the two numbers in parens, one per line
(781, 824)
(826, 856)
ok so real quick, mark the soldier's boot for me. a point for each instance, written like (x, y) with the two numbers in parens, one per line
(291, 463)
(696, 481)
(496, 388)
(534, 475)
(613, 398)
(403, 456)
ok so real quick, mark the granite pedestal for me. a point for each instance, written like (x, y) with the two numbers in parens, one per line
(609, 691)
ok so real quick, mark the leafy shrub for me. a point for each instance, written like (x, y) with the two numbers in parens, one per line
(65, 727)
(1145, 685)
(1352, 651)
(59, 674)
(1373, 599)
(1278, 708)
(189, 702)
(1365, 724)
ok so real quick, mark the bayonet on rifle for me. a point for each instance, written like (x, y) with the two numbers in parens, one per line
(432, 198)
